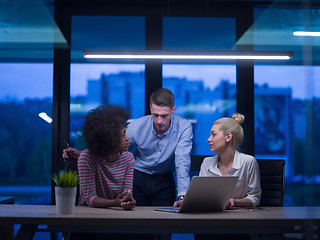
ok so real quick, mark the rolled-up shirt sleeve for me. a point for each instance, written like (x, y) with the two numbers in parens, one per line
(183, 161)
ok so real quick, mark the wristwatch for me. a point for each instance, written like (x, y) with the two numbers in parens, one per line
(181, 197)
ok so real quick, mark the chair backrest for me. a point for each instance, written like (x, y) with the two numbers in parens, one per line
(196, 161)
(272, 181)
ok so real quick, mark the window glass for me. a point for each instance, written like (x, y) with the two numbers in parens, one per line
(287, 113)
(203, 93)
(25, 137)
(94, 84)
(202, 33)
(106, 33)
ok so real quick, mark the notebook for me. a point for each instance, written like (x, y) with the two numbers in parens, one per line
(205, 194)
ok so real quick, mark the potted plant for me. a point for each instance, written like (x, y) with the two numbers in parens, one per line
(65, 191)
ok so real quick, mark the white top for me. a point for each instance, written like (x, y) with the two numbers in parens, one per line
(246, 168)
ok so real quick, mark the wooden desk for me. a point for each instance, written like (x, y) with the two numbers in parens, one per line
(145, 220)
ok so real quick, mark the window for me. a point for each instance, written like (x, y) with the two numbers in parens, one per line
(287, 98)
(94, 84)
(25, 138)
(287, 114)
(201, 33)
(203, 91)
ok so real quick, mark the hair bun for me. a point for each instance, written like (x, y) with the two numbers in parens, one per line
(238, 117)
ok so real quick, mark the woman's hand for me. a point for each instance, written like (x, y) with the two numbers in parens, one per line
(127, 201)
(177, 203)
(230, 204)
(71, 153)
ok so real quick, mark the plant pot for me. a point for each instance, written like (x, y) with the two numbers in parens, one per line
(65, 200)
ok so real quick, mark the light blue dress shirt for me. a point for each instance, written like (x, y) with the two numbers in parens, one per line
(161, 154)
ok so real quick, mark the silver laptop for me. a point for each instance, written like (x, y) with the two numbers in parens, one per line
(205, 194)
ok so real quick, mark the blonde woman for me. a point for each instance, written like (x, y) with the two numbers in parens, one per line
(226, 136)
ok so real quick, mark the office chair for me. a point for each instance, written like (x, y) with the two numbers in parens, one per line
(272, 182)
(196, 161)
(272, 187)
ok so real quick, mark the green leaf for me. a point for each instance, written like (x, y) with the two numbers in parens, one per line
(66, 179)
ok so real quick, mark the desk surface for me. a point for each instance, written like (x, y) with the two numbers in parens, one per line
(147, 217)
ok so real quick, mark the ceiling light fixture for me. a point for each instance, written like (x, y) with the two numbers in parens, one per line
(306, 34)
(196, 55)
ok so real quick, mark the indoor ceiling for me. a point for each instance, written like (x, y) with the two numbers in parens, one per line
(28, 30)
(273, 30)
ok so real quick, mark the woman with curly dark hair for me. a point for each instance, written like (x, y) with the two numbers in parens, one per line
(106, 167)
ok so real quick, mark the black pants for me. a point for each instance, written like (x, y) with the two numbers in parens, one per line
(153, 190)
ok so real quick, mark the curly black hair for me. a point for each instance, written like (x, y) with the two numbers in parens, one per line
(102, 128)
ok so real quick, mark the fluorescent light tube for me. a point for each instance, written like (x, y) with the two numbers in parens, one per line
(306, 34)
(231, 55)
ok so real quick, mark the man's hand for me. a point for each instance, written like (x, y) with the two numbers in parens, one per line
(69, 153)
(177, 203)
